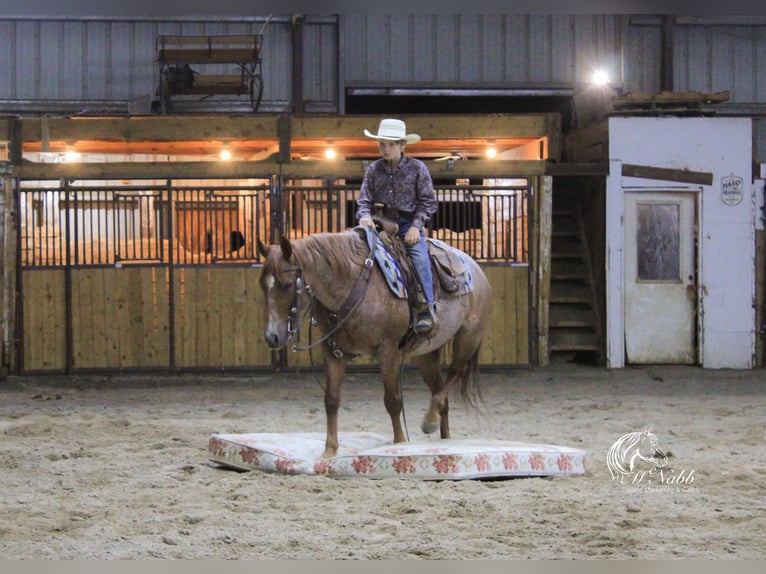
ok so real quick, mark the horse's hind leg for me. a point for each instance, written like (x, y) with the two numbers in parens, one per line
(462, 370)
(335, 371)
(437, 415)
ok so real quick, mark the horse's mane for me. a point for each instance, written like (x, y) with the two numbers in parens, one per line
(336, 253)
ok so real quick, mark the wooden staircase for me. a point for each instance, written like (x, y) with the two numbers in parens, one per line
(574, 328)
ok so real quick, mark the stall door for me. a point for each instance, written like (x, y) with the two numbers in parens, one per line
(660, 278)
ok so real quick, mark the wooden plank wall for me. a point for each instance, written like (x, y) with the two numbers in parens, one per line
(219, 318)
(121, 319)
(506, 340)
(44, 320)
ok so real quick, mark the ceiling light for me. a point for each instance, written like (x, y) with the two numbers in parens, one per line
(225, 154)
(71, 155)
(600, 78)
(491, 151)
(329, 153)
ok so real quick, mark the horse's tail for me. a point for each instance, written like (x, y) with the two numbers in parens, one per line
(469, 380)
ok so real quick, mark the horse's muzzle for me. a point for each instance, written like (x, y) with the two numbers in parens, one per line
(273, 340)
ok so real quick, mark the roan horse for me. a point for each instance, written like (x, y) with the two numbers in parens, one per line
(331, 277)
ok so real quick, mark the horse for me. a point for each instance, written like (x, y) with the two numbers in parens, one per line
(332, 278)
(626, 453)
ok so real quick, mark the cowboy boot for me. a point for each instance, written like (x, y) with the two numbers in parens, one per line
(427, 320)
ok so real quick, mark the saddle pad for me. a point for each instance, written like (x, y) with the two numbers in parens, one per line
(388, 265)
(372, 455)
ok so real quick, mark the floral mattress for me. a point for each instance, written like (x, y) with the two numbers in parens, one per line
(374, 456)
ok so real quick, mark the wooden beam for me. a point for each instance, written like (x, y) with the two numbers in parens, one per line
(352, 169)
(265, 126)
(594, 134)
(666, 174)
(284, 128)
(154, 128)
(577, 169)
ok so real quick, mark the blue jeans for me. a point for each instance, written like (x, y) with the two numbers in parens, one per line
(419, 255)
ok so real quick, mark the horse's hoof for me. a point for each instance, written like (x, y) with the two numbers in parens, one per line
(429, 427)
(329, 453)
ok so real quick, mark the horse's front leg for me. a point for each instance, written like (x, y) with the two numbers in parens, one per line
(390, 368)
(335, 372)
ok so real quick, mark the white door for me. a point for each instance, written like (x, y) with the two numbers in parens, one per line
(660, 278)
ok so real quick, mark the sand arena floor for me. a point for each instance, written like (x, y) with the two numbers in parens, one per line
(116, 468)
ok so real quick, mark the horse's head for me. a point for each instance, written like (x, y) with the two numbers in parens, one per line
(651, 450)
(283, 288)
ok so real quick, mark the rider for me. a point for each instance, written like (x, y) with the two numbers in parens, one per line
(403, 185)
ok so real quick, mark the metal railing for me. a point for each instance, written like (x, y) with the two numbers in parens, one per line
(65, 225)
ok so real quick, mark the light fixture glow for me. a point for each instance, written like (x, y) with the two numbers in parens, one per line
(600, 78)
(329, 153)
(491, 152)
(225, 154)
(71, 155)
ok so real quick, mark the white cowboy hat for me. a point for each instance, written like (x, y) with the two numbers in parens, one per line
(393, 130)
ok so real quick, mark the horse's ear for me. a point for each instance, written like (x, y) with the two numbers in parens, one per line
(287, 249)
(263, 249)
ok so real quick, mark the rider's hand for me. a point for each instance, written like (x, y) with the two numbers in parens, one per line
(367, 222)
(412, 236)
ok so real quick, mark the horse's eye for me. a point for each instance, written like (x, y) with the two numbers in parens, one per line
(286, 285)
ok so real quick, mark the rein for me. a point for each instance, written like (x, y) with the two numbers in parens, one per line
(340, 316)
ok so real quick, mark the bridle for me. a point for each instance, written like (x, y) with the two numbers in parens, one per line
(339, 317)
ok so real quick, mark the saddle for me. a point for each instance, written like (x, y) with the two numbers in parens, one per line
(451, 274)
(447, 265)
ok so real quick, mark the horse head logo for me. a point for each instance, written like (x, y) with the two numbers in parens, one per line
(633, 452)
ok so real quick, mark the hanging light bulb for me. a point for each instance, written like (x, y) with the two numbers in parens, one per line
(491, 151)
(329, 153)
(225, 154)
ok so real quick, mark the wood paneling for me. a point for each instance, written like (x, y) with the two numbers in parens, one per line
(120, 319)
(219, 318)
(44, 309)
(506, 339)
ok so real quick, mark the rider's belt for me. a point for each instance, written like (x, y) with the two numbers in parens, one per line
(391, 212)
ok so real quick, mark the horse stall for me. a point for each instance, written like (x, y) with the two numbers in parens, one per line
(153, 272)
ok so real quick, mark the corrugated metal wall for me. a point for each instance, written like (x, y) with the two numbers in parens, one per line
(711, 57)
(112, 59)
(468, 48)
(103, 59)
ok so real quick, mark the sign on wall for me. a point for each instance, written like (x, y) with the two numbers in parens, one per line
(732, 189)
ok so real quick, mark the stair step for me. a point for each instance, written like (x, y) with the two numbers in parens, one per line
(564, 267)
(564, 200)
(567, 255)
(569, 292)
(565, 315)
(563, 245)
(569, 339)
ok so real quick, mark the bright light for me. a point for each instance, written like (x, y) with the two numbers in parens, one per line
(71, 155)
(225, 154)
(600, 78)
(491, 152)
(329, 153)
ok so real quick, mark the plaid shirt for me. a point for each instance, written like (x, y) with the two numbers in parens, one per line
(408, 189)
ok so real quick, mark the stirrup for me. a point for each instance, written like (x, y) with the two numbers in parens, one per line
(426, 320)
(424, 323)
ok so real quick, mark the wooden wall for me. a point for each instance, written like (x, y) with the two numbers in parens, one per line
(121, 320)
